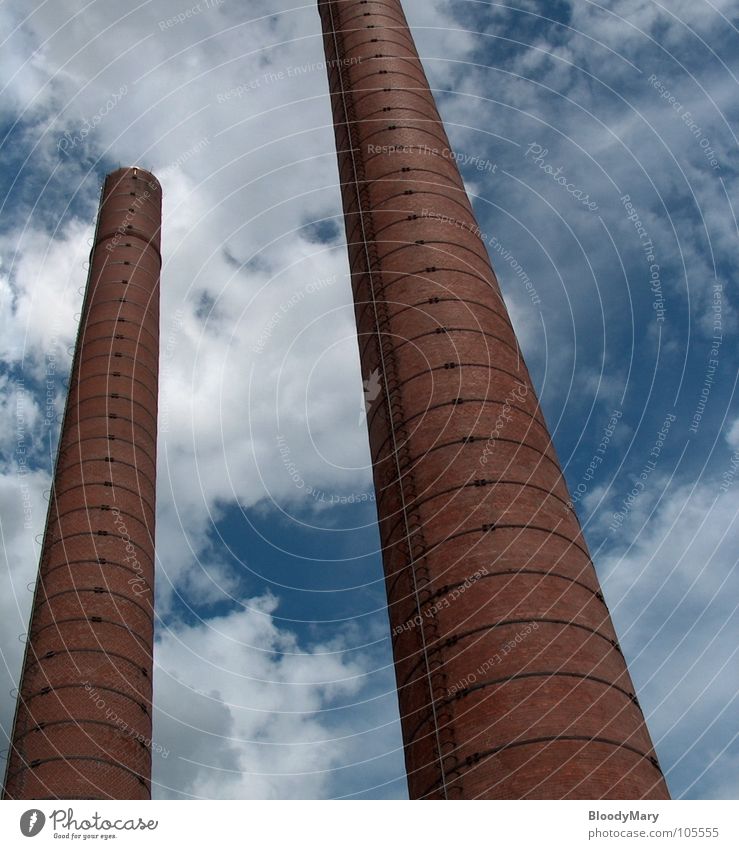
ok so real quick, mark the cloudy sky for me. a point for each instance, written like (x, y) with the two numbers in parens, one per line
(273, 668)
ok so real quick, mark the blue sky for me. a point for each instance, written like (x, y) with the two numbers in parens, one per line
(600, 153)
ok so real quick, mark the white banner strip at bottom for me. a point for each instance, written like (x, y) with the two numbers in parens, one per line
(383, 824)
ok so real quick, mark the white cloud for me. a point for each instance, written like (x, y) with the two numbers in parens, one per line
(732, 435)
(22, 516)
(672, 594)
(40, 283)
(274, 719)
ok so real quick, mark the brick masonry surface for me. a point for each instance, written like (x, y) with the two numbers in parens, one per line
(510, 678)
(83, 722)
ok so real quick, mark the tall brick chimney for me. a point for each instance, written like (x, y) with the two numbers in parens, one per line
(510, 677)
(83, 721)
